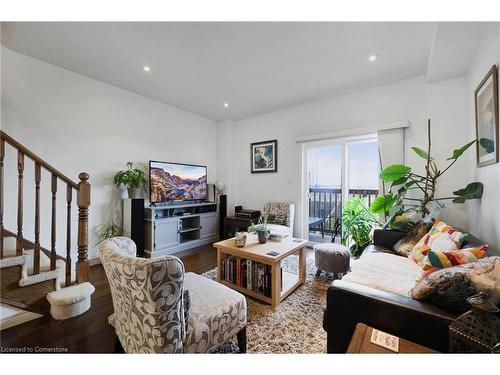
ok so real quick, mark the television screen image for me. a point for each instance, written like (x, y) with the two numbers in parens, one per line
(177, 182)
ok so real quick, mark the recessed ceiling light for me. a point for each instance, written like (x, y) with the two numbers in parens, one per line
(226, 104)
(146, 68)
(372, 58)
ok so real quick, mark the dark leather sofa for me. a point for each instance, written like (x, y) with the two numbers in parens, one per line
(350, 303)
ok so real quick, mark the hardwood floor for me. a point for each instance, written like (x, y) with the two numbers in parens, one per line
(90, 332)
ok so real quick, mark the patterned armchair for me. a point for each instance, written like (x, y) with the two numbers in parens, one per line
(158, 308)
(280, 218)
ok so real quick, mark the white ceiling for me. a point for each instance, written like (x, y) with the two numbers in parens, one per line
(454, 48)
(256, 67)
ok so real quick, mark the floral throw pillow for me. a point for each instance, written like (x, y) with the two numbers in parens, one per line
(441, 237)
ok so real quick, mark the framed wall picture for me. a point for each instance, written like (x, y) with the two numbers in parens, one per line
(264, 157)
(486, 100)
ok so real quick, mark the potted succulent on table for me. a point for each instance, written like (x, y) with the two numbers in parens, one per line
(262, 229)
(133, 178)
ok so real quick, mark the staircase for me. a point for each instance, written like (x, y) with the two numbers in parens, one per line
(29, 271)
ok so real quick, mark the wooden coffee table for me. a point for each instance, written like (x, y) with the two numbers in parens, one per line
(257, 252)
(360, 343)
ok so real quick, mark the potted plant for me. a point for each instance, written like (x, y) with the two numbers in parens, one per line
(357, 224)
(105, 231)
(261, 229)
(396, 205)
(133, 178)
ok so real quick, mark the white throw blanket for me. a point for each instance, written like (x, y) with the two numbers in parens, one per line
(388, 272)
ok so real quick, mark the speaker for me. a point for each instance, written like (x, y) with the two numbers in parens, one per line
(133, 222)
(211, 192)
(222, 213)
(237, 209)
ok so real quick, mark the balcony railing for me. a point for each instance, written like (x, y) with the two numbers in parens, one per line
(325, 206)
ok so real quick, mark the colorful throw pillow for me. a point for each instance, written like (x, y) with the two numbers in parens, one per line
(436, 260)
(441, 237)
(449, 288)
(406, 244)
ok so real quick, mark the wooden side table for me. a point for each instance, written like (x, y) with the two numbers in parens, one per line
(360, 343)
(233, 224)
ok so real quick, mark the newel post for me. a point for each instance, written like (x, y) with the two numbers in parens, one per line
(83, 199)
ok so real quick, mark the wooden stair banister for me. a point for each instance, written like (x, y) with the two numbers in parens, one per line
(69, 198)
(83, 200)
(36, 250)
(53, 190)
(20, 189)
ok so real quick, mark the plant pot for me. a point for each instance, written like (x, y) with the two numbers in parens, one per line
(262, 237)
(134, 193)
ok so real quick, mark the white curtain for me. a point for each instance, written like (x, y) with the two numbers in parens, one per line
(391, 145)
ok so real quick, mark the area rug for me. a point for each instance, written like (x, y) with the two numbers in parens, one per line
(295, 326)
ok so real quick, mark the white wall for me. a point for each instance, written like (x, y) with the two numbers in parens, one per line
(447, 111)
(79, 124)
(483, 216)
(226, 162)
(410, 99)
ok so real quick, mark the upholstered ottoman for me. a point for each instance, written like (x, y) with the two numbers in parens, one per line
(216, 314)
(331, 257)
(70, 301)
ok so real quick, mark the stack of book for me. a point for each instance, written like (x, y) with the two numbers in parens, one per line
(248, 274)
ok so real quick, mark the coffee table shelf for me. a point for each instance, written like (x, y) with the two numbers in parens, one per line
(258, 253)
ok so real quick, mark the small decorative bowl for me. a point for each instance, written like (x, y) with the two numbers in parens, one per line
(240, 238)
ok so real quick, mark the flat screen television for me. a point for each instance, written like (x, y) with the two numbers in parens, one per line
(177, 182)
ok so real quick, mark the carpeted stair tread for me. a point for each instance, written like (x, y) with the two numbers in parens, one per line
(13, 261)
(38, 278)
(45, 271)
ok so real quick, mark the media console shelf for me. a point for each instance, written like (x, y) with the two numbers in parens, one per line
(177, 227)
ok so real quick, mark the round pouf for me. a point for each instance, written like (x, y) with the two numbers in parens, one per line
(331, 257)
(70, 301)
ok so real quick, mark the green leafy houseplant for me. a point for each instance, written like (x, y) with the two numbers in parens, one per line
(357, 223)
(395, 203)
(261, 229)
(105, 231)
(133, 178)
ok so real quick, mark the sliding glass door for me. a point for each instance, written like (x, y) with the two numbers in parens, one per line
(324, 173)
(363, 169)
(336, 171)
